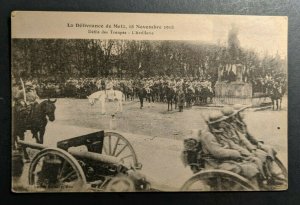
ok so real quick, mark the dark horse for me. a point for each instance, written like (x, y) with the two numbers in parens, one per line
(144, 93)
(171, 95)
(128, 92)
(190, 97)
(276, 93)
(35, 120)
(202, 95)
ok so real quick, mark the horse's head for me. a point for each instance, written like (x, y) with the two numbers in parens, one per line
(50, 109)
(91, 100)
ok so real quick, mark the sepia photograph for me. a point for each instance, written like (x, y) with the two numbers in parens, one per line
(133, 102)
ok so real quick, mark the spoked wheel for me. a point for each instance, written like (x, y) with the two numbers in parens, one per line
(279, 180)
(118, 146)
(217, 180)
(282, 168)
(55, 170)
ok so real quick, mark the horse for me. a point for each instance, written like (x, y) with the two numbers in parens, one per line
(203, 94)
(171, 96)
(144, 92)
(109, 95)
(157, 92)
(161, 92)
(128, 92)
(276, 93)
(190, 97)
(35, 120)
(150, 95)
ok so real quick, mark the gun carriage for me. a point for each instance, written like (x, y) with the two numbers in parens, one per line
(106, 161)
(94, 162)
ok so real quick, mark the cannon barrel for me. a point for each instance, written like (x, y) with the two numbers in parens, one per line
(32, 145)
(77, 154)
(95, 157)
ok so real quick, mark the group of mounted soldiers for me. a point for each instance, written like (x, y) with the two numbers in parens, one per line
(266, 84)
(196, 90)
(226, 144)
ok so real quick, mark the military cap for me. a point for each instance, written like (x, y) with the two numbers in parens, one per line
(216, 117)
(228, 111)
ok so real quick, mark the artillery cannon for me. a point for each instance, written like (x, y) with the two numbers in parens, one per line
(107, 162)
(94, 162)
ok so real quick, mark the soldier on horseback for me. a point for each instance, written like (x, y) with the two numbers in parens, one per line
(148, 84)
(109, 88)
(26, 100)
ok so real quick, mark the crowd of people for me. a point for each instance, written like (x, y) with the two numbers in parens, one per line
(82, 87)
(261, 84)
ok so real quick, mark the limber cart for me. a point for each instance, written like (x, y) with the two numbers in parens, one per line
(106, 161)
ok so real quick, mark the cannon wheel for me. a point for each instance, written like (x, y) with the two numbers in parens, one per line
(217, 180)
(280, 179)
(281, 167)
(118, 146)
(71, 177)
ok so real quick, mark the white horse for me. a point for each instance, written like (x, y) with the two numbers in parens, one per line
(107, 95)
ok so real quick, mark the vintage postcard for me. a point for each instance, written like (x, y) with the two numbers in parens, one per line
(134, 102)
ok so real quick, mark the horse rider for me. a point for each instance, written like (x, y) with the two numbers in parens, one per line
(148, 84)
(14, 91)
(191, 87)
(109, 85)
(26, 100)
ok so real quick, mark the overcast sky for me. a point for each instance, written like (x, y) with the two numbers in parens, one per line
(262, 34)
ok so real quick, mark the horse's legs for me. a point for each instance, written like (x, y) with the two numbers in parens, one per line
(280, 101)
(149, 100)
(153, 99)
(102, 106)
(41, 135)
(35, 135)
(276, 104)
(141, 102)
(22, 137)
(120, 105)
